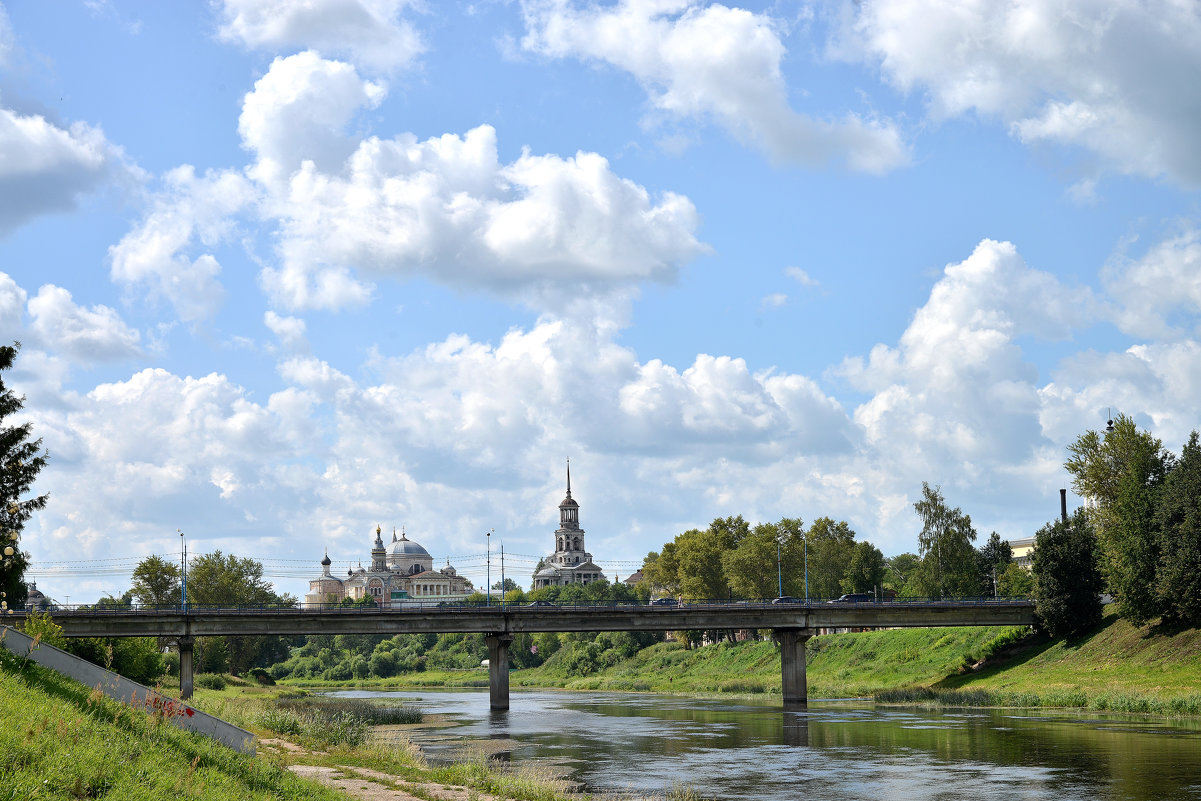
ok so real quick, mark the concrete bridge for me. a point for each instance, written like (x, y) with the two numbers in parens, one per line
(792, 624)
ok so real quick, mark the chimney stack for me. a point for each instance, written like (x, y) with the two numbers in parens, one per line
(1063, 504)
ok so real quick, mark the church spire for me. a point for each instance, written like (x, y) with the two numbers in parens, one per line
(568, 476)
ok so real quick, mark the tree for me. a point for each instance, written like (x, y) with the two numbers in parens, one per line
(700, 554)
(865, 573)
(508, 586)
(993, 557)
(900, 571)
(1178, 521)
(1015, 581)
(156, 582)
(21, 459)
(751, 568)
(829, 548)
(1067, 577)
(945, 543)
(1119, 473)
(224, 579)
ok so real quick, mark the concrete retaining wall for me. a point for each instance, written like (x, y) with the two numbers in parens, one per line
(127, 691)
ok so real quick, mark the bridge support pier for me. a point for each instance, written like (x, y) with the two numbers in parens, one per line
(185, 667)
(498, 671)
(792, 665)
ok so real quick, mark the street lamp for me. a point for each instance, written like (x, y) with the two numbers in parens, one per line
(779, 571)
(488, 574)
(184, 561)
(806, 541)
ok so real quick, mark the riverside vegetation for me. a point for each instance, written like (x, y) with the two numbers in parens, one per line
(62, 740)
(1115, 666)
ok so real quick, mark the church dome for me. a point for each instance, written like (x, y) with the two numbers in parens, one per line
(406, 547)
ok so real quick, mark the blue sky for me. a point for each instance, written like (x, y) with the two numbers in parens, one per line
(285, 271)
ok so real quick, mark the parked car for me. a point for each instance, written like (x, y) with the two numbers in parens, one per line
(663, 602)
(854, 598)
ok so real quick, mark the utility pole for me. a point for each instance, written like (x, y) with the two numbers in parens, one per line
(184, 572)
(488, 574)
(779, 571)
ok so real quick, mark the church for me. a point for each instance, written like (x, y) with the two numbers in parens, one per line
(402, 573)
(570, 563)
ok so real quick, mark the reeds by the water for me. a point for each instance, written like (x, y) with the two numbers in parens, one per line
(1054, 699)
(333, 721)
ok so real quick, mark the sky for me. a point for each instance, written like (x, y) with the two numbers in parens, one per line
(285, 271)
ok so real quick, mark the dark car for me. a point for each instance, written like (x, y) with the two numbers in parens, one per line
(663, 602)
(854, 598)
(787, 599)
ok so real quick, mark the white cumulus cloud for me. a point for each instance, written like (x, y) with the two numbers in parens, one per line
(1115, 78)
(711, 61)
(371, 33)
(445, 207)
(45, 168)
(87, 335)
(157, 255)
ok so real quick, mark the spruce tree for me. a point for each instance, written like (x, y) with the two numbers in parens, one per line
(21, 458)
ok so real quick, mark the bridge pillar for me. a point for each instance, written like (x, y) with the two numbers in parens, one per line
(498, 671)
(792, 665)
(185, 667)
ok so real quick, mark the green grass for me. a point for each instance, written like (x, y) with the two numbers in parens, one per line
(1116, 667)
(61, 740)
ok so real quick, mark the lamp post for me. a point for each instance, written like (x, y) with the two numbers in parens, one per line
(488, 573)
(806, 541)
(502, 574)
(779, 571)
(184, 572)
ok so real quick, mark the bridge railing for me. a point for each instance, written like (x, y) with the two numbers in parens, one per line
(462, 606)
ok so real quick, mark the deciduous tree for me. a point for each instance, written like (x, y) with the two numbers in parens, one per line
(156, 581)
(21, 459)
(949, 564)
(865, 573)
(1067, 576)
(1178, 521)
(830, 545)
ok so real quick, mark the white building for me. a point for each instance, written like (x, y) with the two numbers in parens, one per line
(401, 573)
(570, 563)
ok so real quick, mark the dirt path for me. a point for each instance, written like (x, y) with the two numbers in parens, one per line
(371, 785)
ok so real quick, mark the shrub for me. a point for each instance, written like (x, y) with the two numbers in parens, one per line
(210, 681)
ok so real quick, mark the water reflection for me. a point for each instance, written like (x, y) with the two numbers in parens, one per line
(827, 750)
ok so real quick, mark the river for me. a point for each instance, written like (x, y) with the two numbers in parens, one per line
(728, 749)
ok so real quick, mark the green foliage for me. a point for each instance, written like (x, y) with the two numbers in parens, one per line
(900, 570)
(1015, 581)
(21, 459)
(1066, 576)
(993, 558)
(1178, 524)
(157, 581)
(210, 681)
(949, 566)
(830, 545)
(137, 658)
(768, 554)
(41, 626)
(865, 573)
(1121, 471)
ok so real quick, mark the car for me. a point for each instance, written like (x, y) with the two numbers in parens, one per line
(663, 602)
(787, 599)
(540, 603)
(854, 598)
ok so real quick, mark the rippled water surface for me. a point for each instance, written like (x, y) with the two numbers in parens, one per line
(831, 750)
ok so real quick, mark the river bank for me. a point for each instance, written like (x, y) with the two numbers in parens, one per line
(1116, 666)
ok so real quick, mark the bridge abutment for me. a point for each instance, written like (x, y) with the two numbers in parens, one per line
(185, 666)
(792, 665)
(498, 671)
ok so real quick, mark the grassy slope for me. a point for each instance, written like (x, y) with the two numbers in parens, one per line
(61, 740)
(1115, 658)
